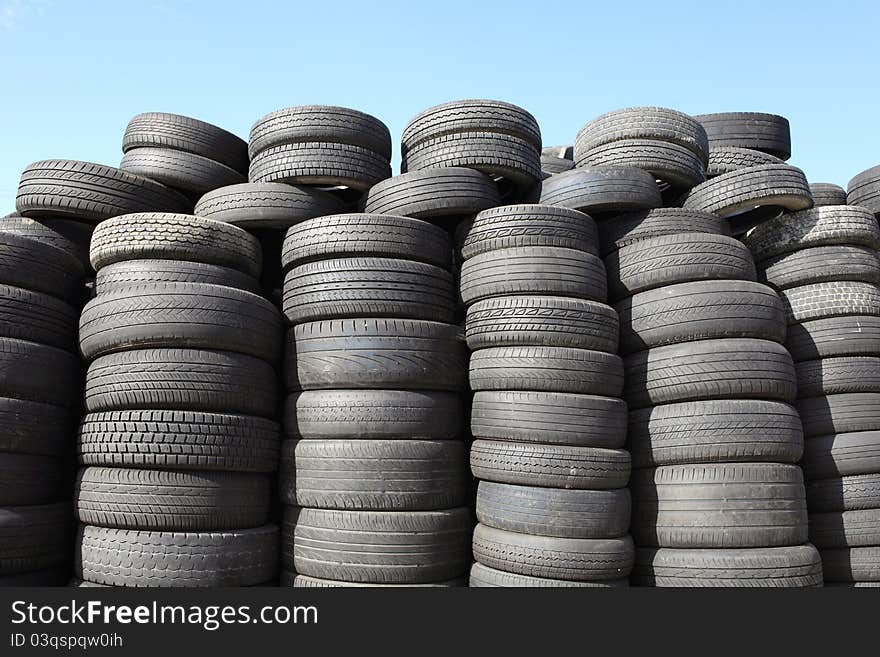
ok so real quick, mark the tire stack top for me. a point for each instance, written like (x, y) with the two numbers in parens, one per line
(552, 503)
(373, 472)
(825, 263)
(179, 438)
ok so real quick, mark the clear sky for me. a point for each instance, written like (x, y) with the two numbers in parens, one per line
(74, 72)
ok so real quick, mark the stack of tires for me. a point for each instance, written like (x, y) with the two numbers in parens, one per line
(825, 263)
(374, 469)
(556, 159)
(552, 503)
(40, 382)
(177, 446)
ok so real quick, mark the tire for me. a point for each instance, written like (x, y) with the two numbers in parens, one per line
(533, 270)
(192, 174)
(469, 116)
(120, 275)
(179, 440)
(91, 192)
(135, 558)
(822, 226)
(822, 264)
(858, 565)
(320, 163)
(38, 317)
(772, 567)
(55, 576)
(835, 299)
(483, 576)
(387, 547)
(687, 312)
(181, 133)
(180, 315)
(741, 368)
(175, 237)
(310, 123)
(728, 158)
(626, 230)
(827, 194)
(832, 376)
(666, 260)
(551, 165)
(266, 205)
(34, 537)
(842, 455)
(851, 335)
(864, 190)
(546, 369)
(742, 190)
(39, 373)
(181, 379)
(675, 166)
(381, 475)
(34, 428)
(845, 529)
(840, 413)
(513, 321)
(715, 431)
(344, 288)
(719, 506)
(401, 354)
(70, 236)
(549, 418)
(365, 235)
(28, 479)
(303, 582)
(373, 415)
(155, 500)
(433, 193)
(561, 152)
(570, 559)
(761, 132)
(32, 265)
(601, 190)
(851, 493)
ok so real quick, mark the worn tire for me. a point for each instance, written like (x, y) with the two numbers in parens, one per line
(29, 264)
(39, 373)
(832, 376)
(864, 190)
(34, 537)
(827, 194)
(822, 264)
(840, 413)
(469, 116)
(34, 428)
(600, 190)
(70, 236)
(29, 479)
(38, 317)
(120, 275)
(857, 565)
(842, 454)
(834, 299)
(849, 335)
(845, 529)
(675, 166)
(724, 159)
(433, 193)
(743, 190)
(627, 229)
(761, 132)
(192, 174)
(320, 163)
(482, 576)
(849, 493)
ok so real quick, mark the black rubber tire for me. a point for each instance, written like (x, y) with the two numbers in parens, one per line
(540, 321)
(533, 270)
(182, 133)
(309, 123)
(600, 190)
(850, 335)
(822, 264)
(859, 565)
(715, 431)
(34, 537)
(209, 559)
(762, 132)
(192, 174)
(551, 165)
(834, 299)
(469, 116)
(832, 376)
(303, 582)
(180, 315)
(29, 479)
(433, 193)
(763, 567)
(388, 547)
(373, 415)
(365, 235)
(38, 317)
(570, 559)
(33, 265)
(181, 379)
(627, 229)
(719, 506)
(39, 373)
(91, 192)
(70, 236)
(55, 576)
(742, 190)
(561, 152)
(482, 576)
(175, 237)
(381, 475)
(320, 163)
(724, 159)
(687, 312)
(675, 166)
(669, 259)
(266, 205)
(845, 529)
(822, 226)
(827, 194)
(840, 413)
(742, 368)
(179, 440)
(547, 369)
(401, 354)
(343, 288)
(549, 418)
(850, 493)
(34, 428)
(864, 190)
(156, 500)
(842, 455)
(119, 275)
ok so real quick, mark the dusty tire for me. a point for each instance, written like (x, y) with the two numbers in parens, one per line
(38, 317)
(842, 454)
(822, 264)
(839, 413)
(857, 565)
(433, 193)
(835, 299)
(827, 194)
(777, 185)
(676, 167)
(32, 265)
(601, 190)
(320, 163)
(833, 376)
(851, 335)
(725, 159)
(762, 132)
(850, 493)
(625, 230)
(120, 275)
(864, 190)
(482, 577)
(845, 529)
(69, 235)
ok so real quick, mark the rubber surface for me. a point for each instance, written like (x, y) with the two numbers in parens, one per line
(433, 193)
(602, 190)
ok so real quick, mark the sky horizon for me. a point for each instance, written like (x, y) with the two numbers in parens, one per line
(78, 72)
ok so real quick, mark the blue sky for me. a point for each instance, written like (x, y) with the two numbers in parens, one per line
(75, 72)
